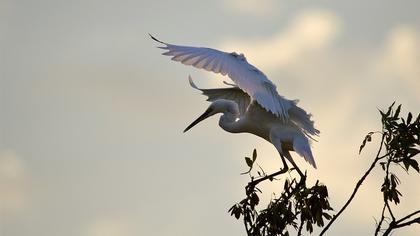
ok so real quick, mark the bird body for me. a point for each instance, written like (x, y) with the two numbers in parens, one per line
(285, 136)
(252, 104)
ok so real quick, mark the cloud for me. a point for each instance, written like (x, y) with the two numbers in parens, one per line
(400, 55)
(253, 7)
(13, 182)
(310, 31)
(109, 227)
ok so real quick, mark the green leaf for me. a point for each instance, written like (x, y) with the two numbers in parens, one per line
(389, 109)
(254, 155)
(254, 199)
(286, 185)
(249, 162)
(383, 165)
(382, 113)
(368, 138)
(406, 163)
(414, 164)
(327, 216)
(397, 112)
(236, 211)
(394, 180)
(413, 152)
(409, 117)
(309, 227)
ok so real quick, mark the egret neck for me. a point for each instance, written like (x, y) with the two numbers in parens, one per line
(230, 121)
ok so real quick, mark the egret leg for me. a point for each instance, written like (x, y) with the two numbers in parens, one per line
(276, 141)
(285, 167)
(287, 154)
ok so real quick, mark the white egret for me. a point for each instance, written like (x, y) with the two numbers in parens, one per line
(252, 104)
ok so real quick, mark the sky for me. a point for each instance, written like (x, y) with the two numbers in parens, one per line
(91, 115)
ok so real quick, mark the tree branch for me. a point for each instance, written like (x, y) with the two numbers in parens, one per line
(416, 220)
(300, 228)
(408, 216)
(389, 210)
(254, 183)
(378, 228)
(393, 225)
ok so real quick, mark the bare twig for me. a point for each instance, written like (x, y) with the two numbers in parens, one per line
(300, 228)
(394, 225)
(408, 216)
(378, 228)
(389, 210)
(271, 176)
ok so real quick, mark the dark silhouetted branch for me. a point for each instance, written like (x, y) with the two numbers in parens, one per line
(395, 225)
(408, 216)
(378, 228)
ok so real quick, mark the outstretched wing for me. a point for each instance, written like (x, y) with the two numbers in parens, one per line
(246, 76)
(233, 93)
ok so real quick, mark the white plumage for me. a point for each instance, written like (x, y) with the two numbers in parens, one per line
(246, 76)
(252, 105)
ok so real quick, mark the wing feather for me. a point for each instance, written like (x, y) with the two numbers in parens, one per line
(199, 63)
(207, 66)
(247, 77)
(233, 93)
(191, 59)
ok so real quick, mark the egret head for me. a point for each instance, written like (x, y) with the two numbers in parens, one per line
(218, 106)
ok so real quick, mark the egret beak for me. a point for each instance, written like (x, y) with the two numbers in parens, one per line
(205, 115)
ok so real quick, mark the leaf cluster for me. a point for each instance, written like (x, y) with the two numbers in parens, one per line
(402, 137)
(402, 144)
(296, 206)
(299, 207)
(314, 206)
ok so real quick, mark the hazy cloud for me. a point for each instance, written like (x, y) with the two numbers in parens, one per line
(13, 182)
(310, 31)
(109, 227)
(253, 7)
(400, 55)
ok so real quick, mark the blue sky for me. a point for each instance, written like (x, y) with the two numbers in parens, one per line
(92, 115)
